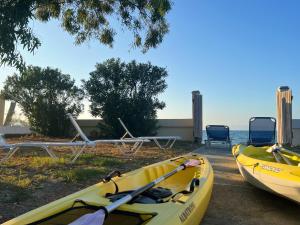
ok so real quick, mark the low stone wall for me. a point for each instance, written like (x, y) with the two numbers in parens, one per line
(167, 127)
(296, 131)
(14, 130)
(176, 127)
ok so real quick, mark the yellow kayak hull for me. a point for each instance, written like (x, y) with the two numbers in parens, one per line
(182, 208)
(261, 169)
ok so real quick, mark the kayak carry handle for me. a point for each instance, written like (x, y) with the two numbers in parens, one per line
(111, 175)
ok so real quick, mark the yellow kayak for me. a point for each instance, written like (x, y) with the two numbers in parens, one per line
(278, 173)
(180, 199)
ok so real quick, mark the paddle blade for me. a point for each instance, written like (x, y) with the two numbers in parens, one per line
(192, 163)
(270, 149)
(96, 218)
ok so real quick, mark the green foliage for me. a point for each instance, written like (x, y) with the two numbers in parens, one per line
(45, 162)
(128, 91)
(87, 19)
(14, 30)
(45, 97)
(80, 174)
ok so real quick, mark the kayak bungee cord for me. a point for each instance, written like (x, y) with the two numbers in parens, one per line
(98, 217)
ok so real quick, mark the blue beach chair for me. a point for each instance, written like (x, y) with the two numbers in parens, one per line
(217, 133)
(262, 131)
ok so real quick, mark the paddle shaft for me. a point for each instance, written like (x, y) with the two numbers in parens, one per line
(287, 161)
(275, 149)
(140, 190)
(290, 152)
(276, 156)
(281, 156)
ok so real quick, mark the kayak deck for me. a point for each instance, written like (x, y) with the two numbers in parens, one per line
(261, 153)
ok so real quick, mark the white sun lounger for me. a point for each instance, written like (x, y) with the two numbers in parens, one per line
(77, 146)
(13, 148)
(119, 143)
(170, 139)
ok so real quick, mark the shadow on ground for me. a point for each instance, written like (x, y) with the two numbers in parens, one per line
(235, 202)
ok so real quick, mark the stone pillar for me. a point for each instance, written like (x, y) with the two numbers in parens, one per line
(2, 110)
(10, 113)
(284, 115)
(197, 116)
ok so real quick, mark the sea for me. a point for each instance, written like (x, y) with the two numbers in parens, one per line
(237, 136)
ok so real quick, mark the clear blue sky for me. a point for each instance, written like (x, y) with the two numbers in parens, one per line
(236, 52)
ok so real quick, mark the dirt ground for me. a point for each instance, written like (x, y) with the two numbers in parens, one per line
(235, 202)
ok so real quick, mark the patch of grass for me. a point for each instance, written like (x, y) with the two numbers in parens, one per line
(21, 180)
(39, 178)
(86, 158)
(42, 162)
(24, 183)
(14, 188)
(100, 160)
(80, 174)
(109, 162)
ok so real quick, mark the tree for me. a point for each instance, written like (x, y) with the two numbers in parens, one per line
(85, 19)
(45, 97)
(128, 91)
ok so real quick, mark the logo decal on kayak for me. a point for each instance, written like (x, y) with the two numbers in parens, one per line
(271, 168)
(187, 212)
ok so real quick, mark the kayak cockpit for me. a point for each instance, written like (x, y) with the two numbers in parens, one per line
(131, 181)
(261, 153)
(117, 217)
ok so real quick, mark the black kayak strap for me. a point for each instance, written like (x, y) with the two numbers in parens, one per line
(109, 177)
(195, 182)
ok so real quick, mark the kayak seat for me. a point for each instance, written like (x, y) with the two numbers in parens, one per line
(152, 196)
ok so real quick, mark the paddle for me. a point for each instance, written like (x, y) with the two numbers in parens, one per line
(276, 149)
(287, 161)
(98, 217)
(290, 152)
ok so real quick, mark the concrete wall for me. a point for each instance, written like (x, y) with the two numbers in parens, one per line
(14, 130)
(167, 127)
(296, 131)
(176, 127)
